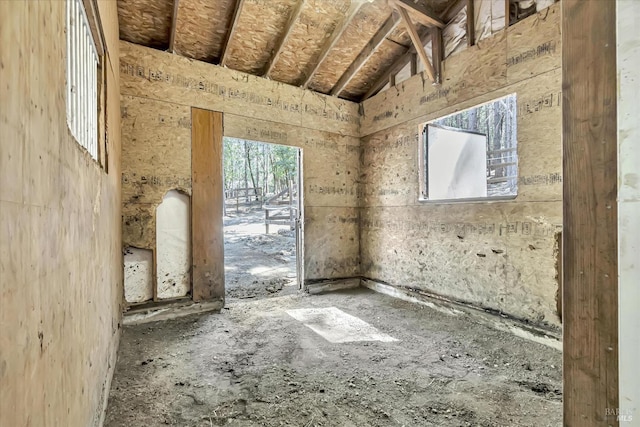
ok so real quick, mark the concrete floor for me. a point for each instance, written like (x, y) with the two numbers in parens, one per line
(256, 365)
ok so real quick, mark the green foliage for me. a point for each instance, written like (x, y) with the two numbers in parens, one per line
(252, 164)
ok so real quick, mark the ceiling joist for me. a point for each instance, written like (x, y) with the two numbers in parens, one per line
(293, 18)
(354, 7)
(390, 24)
(174, 21)
(417, 43)
(232, 30)
(419, 12)
(409, 56)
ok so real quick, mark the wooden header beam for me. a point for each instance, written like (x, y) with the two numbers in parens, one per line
(232, 30)
(364, 55)
(354, 7)
(419, 12)
(293, 18)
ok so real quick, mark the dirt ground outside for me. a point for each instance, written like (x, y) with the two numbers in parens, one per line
(257, 264)
(253, 364)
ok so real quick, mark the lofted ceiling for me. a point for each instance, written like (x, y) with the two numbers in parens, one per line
(345, 48)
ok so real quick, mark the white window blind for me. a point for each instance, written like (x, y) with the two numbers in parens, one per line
(82, 75)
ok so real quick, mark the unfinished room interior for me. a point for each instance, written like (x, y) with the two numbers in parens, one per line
(319, 213)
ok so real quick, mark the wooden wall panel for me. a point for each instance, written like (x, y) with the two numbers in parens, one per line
(499, 254)
(158, 75)
(527, 49)
(61, 264)
(207, 205)
(157, 140)
(590, 214)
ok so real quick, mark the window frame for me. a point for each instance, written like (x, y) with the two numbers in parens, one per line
(423, 185)
(92, 28)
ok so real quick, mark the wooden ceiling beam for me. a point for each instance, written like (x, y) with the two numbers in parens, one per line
(174, 21)
(417, 43)
(354, 7)
(232, 30)
(387, 28)
(398, 65)
(419, 12)
(293, 19)
(447, 16)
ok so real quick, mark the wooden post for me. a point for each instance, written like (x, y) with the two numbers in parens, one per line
(590, 265)
(207, 199)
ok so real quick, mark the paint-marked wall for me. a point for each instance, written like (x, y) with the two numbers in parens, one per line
(60, 236)
(628, 54)
(158, 91)
(497, 255)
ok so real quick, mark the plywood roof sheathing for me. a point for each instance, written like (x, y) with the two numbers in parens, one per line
(201, 27)
(419, 12)
(293, 18)
(390, 25)
(417, 43)
(232, 29)
(354, 7)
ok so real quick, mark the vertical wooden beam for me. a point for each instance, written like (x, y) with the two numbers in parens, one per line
(413, 68)
(507, 13)
(590, 268)
(413, 34)
(206, 205)
(392, 80)
(437, 53)
(232, 30)
(174, 21)
(471, 23)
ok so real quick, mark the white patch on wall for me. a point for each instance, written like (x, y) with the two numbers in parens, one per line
(138, 275)
(173, 246)
(336, 326)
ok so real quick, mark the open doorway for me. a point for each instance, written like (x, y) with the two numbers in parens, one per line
(263, 226)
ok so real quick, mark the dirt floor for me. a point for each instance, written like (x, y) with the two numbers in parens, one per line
(257, 264)
(253, 364)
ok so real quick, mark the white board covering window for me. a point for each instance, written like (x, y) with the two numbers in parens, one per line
(82, 78)
(471, 154)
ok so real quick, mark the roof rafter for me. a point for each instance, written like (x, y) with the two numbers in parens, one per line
(232, 30)
(419, 12)
(387, 28)
(293, 18)
(398, 65)
(174, 21)
(354, 7)
(415, 38)
(447, 16)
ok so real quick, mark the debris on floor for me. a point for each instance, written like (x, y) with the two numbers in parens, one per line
(256, 365)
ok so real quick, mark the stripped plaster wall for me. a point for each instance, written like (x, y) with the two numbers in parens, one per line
(495, 255)
(158, 91)
(60, 236)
